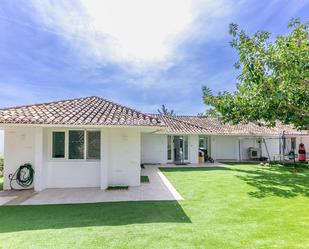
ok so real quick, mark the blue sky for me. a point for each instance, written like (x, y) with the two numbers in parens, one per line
(139, 53)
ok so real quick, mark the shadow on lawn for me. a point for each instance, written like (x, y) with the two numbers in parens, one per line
(276, 181)
(268, 181)
(22, 218)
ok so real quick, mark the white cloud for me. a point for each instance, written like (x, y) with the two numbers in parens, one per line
(138, 33)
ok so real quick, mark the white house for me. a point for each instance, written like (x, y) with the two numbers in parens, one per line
(185, 137)
(93, 142)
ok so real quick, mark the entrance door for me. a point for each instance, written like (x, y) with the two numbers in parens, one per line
(180, 148)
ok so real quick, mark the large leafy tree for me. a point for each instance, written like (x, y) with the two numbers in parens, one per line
(274, 80)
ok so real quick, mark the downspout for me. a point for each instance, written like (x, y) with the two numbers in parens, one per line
(239, 152)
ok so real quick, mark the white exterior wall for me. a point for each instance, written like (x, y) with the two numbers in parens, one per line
(70, 174)
(224, 147)
(64, 173)
(245, 144)
(193, 148)
(19, 148)
(124, 157)
(154, 148)
(119, 164)
(273, 148)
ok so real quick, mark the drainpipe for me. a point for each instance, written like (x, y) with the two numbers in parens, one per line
(239, 152)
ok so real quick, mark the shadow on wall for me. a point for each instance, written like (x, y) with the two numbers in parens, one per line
(22, 218)
(276, 181)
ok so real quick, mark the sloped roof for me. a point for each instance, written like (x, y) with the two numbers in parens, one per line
(212, 125)
(81, 111)
(98, 111)
(174, 125)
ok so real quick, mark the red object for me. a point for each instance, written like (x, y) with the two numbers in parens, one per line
(301, 152)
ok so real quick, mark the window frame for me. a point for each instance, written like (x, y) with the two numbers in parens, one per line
(172, 147)
(169, 138)
(86, 145)
(208, 143)
(66, 144)
(51, 145)
(84, 150)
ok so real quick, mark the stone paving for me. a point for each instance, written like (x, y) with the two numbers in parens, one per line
(159, 188)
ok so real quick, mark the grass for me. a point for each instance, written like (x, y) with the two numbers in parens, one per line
(237, 206)
(144, 179)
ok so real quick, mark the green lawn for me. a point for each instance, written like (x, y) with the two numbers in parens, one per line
(239, 206)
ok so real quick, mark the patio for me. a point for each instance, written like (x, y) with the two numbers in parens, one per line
(158, 188)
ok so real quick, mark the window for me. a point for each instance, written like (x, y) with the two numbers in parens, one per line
(58, 150)
(93, 144)
(76, 144)
(169, 147)
(81, 144)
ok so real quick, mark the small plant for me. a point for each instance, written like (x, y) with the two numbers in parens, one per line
(144, 179)
(118, 188)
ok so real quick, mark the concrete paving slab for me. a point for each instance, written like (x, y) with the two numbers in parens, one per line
(159, 188)
(13, 197)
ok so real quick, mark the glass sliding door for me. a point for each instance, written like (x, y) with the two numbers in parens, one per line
(204, 146)
(181, 152)
(169, 148)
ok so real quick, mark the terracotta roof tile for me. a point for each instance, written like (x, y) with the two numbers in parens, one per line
(82, 111)
(212, 125)
(176, 125)
(99, 111)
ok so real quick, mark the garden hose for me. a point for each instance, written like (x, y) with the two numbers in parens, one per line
(24, 176)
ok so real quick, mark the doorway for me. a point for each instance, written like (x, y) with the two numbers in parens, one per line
(180, 148)
(204, 147)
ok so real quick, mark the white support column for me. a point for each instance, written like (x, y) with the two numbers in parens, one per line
(6, 171)
(239, 150)
(105, 157)
(39, 176)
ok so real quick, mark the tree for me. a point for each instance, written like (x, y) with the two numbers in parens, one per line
(274, 80)
(165, 111)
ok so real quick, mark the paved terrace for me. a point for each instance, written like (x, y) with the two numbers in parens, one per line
(159, 188)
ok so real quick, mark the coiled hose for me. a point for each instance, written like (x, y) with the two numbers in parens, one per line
(24, 176)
